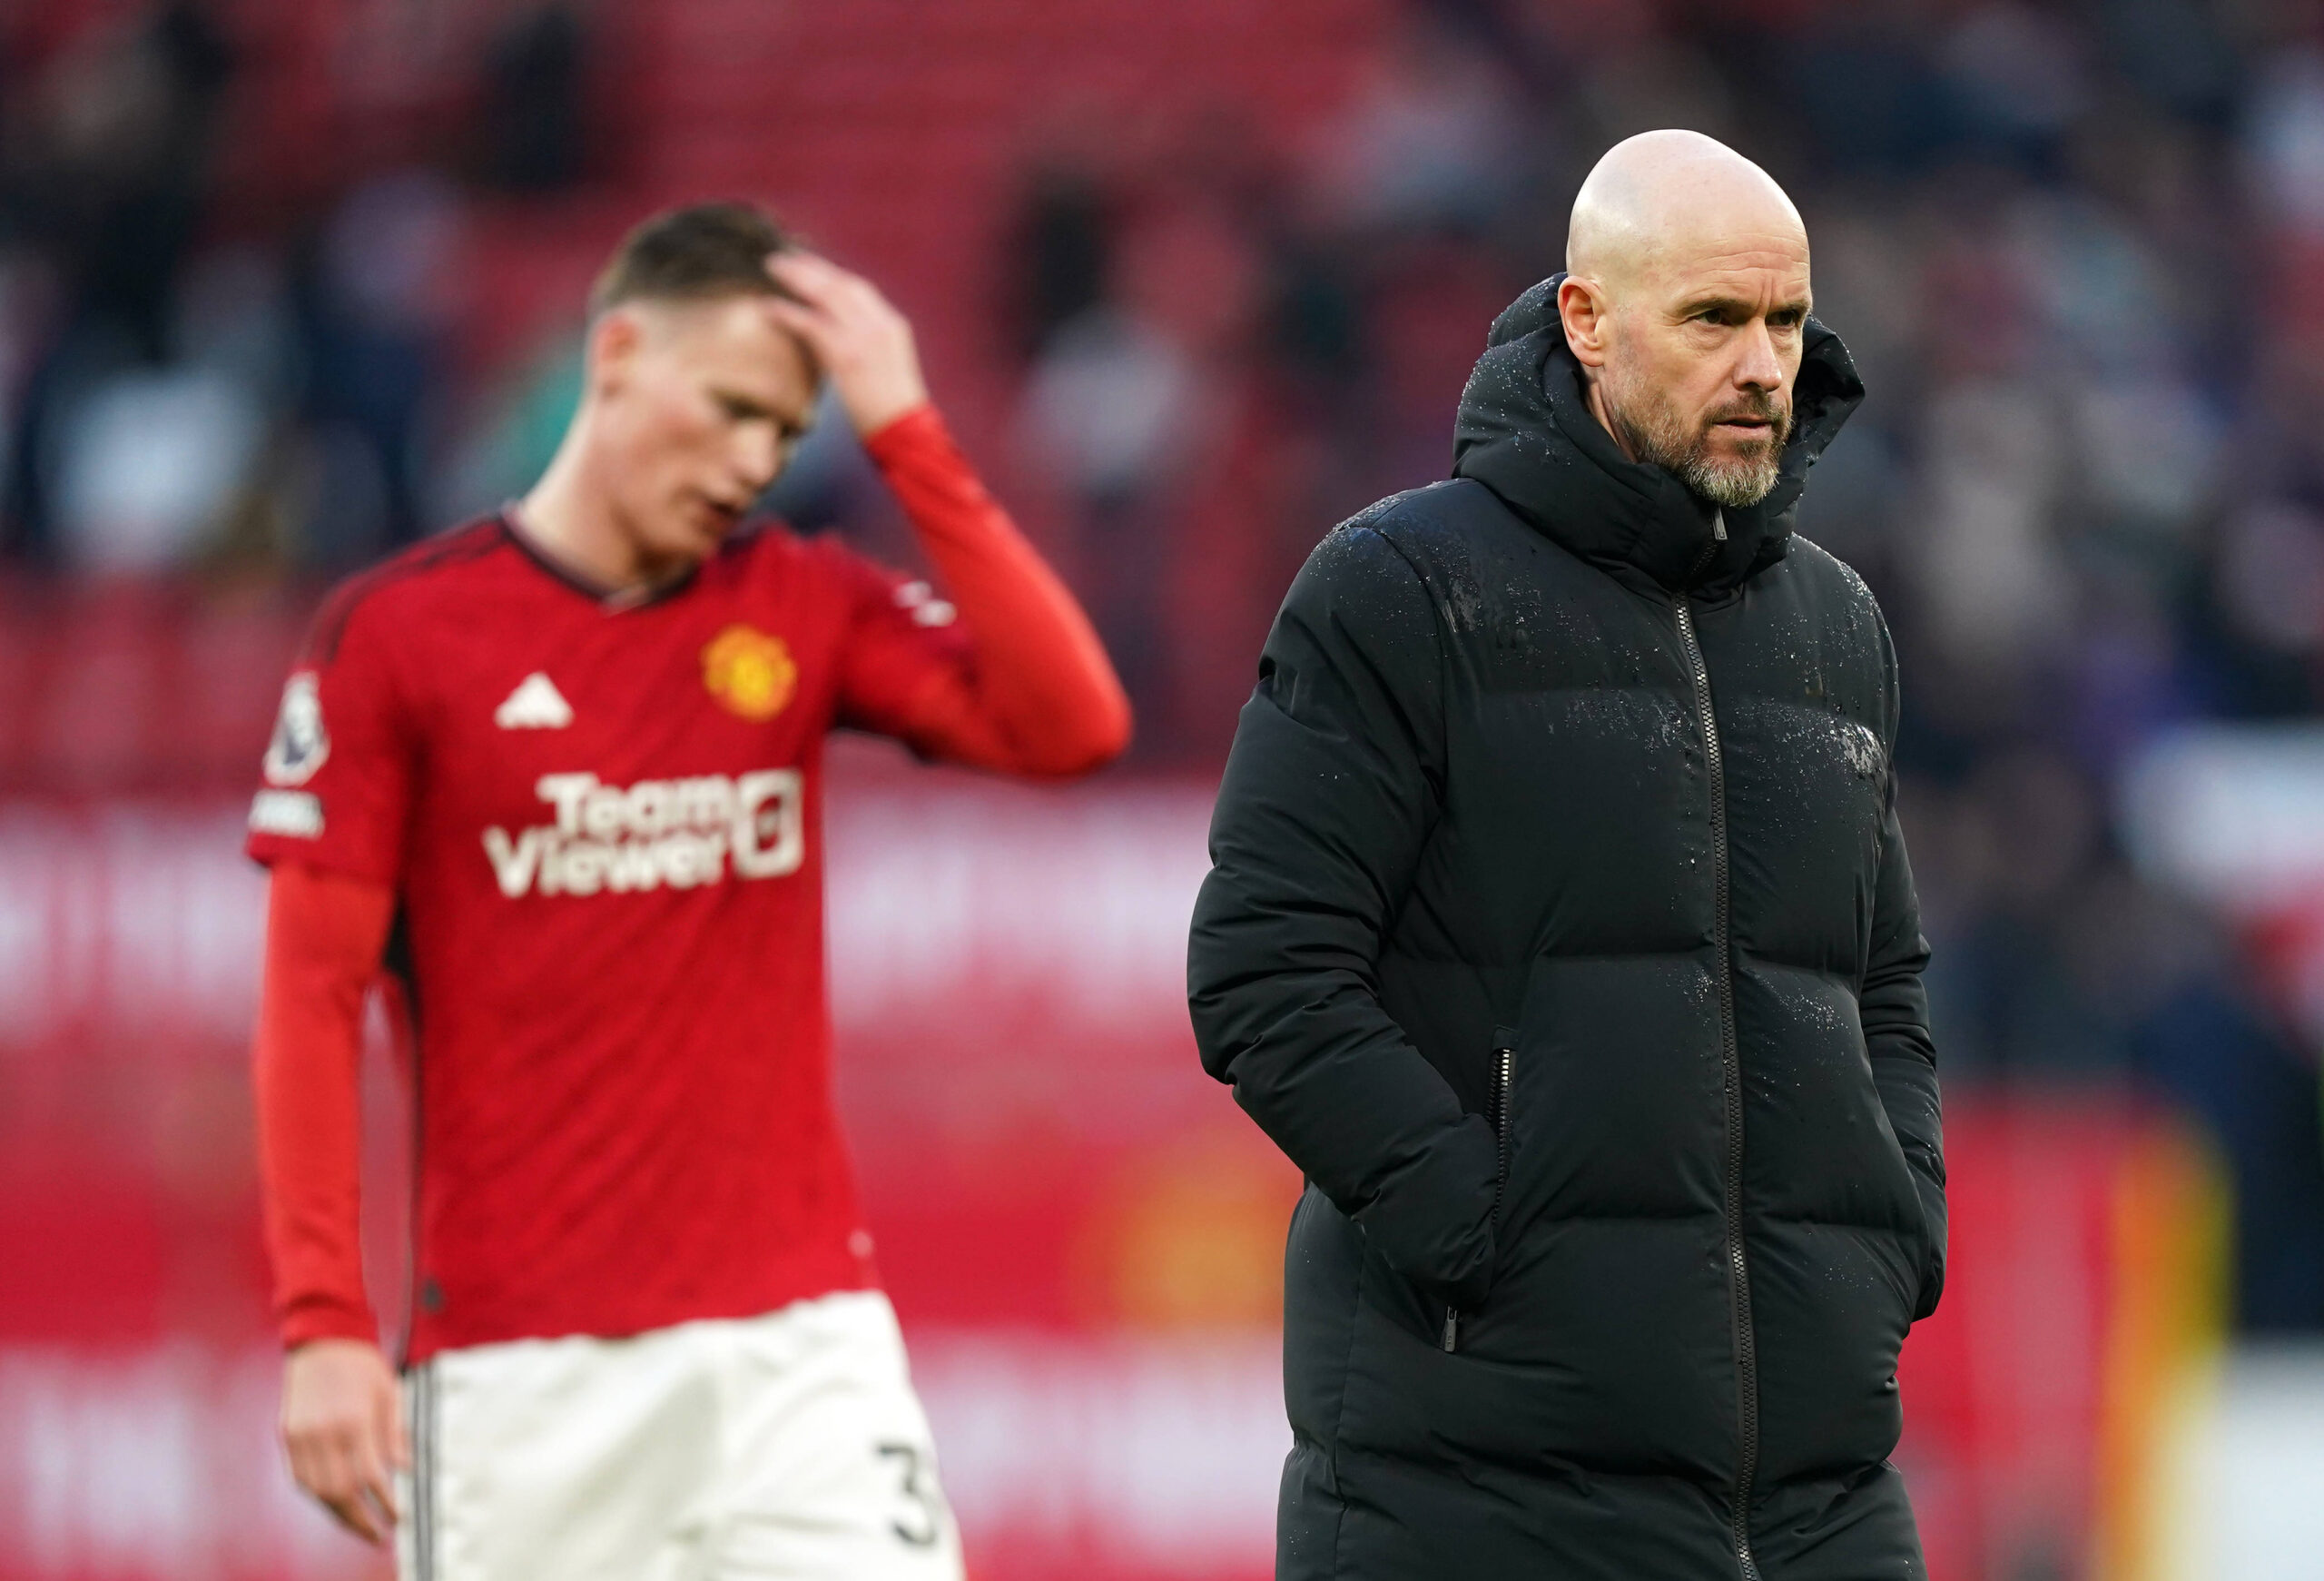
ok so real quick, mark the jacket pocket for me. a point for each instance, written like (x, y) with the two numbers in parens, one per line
(1930, 1285)
(1497, 1103)
(1922, 1237)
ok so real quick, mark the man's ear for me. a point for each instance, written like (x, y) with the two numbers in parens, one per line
(612, 349)
(1583, 310)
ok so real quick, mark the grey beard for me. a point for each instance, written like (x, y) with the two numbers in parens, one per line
(1733, 484)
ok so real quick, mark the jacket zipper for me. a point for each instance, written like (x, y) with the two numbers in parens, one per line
(1497, 1114)
(1739, 1272)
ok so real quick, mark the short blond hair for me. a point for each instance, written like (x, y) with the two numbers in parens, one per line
(695, 253)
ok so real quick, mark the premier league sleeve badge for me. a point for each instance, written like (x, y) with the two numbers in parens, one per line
(299, 744)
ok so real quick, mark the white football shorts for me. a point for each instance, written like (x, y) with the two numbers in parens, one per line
(788, 1445)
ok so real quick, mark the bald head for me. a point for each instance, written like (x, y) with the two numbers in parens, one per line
(1663, 198)
(1686, 303)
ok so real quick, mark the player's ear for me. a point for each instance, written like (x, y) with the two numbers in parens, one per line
(612, 349)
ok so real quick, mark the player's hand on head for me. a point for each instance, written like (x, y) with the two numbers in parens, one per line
(864, 344)
(342, 1428)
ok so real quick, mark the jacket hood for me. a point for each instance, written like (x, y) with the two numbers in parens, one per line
(1525, 432)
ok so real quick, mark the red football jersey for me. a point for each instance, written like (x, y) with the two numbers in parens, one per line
(602, 824)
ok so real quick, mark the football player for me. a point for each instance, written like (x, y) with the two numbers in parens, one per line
(559, 772)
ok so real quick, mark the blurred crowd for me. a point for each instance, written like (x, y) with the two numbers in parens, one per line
(2076, 248)
(198, 373)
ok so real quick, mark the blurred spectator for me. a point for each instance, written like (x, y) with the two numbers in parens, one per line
(1108, 405)
(2015, 79)
(1431, 142)
(1062, 246)
(534, 114)
(147, 463)
(107, 174)
(370, 302)
(1113, 399)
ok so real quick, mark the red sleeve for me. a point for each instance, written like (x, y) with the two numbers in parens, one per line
(339, 769)
(324, 936)
(1020, 683)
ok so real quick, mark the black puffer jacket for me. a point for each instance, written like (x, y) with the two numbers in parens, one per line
(1560, 930)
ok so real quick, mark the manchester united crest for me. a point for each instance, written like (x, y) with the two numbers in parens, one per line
(751, 673)
(300, 744)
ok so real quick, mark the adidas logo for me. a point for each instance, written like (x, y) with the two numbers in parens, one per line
(535, 705)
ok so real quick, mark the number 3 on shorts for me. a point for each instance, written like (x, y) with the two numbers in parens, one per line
(925, 1522)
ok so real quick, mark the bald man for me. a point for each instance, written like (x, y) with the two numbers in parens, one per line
(1559, 929)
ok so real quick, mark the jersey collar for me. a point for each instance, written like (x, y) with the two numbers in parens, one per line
(611, 599)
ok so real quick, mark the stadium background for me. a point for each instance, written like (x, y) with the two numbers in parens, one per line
(286, 283)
